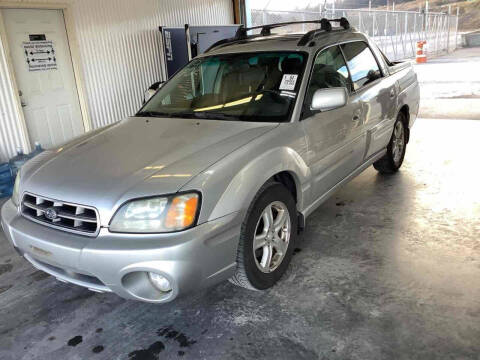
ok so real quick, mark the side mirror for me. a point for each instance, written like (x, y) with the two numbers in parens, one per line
(329, 99)
(152, 90)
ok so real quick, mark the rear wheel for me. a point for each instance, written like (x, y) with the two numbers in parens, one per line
(393, 159)
(267, 237)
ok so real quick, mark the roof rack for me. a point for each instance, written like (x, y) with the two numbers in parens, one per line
(343, 22)
(325, 25)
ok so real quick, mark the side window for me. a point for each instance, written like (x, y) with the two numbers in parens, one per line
(361, 63)
(329, 71)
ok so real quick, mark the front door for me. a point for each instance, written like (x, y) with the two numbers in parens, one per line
(336, 143)
(44, 73)
(375, 92)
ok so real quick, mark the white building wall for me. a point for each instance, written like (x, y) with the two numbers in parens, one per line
(120, 54)
(10, 130)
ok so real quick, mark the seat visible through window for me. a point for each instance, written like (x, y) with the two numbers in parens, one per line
(329, 71)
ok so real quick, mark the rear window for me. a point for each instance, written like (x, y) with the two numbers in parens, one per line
(362, 64)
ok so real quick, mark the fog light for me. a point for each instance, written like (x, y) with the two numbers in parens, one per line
(160, 282)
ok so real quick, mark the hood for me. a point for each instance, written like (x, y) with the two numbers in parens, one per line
(134, 158)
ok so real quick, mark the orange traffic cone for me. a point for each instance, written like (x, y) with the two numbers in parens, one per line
(421, 57)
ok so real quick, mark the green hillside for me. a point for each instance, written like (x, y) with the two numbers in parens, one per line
(469, 16)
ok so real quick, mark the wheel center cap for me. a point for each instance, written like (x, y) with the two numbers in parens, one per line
(270, 235)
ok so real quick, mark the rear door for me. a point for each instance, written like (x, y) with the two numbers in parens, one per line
(335, 140)
(374, 92)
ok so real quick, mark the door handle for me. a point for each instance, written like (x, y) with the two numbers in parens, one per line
(392, 94)
(356, 115)
(22, 102)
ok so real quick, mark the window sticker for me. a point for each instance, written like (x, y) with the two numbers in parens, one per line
(288, 82)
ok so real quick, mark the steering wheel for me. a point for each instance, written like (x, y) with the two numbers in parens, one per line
(334, 80)
(275, 96)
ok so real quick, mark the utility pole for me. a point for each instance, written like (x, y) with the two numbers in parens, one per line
(426, 17)
(456, 27)
(425, 20)
(448, 27)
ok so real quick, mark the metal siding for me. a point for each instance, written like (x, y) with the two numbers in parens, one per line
(120, 55)
(10, 129)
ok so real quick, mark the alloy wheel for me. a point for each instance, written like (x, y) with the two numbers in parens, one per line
(272, 236)
(398, 142)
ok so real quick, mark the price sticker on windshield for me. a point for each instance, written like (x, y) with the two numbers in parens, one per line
(288, 82)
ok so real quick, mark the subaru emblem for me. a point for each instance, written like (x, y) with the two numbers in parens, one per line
(51, 214)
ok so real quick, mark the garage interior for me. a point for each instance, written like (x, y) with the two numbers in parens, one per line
(387, 268)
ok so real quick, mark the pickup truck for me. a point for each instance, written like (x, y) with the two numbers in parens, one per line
(215, 175)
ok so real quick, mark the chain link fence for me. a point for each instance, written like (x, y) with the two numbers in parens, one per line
(395, 32)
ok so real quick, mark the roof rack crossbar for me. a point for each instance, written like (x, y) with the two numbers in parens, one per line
(265, 29)
(241, 33)
(343, 22)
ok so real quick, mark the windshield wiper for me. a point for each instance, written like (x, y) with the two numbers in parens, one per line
(206, 115)
(189, 115)
(153, 114)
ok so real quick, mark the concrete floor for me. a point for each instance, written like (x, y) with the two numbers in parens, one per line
(389, 268)
(451, 86)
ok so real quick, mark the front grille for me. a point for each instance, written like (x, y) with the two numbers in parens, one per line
(75, 218)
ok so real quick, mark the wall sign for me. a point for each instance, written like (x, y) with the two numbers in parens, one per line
(40, 55)
(174, 48)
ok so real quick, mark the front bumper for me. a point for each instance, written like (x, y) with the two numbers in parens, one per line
(190, 259)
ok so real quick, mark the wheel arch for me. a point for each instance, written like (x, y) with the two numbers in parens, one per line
(405, 110)
(288, 179)
(282, 165)
(291, 182)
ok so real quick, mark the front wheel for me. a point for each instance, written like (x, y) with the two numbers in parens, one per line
(267, 238)
(393, 159)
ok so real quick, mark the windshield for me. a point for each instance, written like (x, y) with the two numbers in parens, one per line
(259, 87)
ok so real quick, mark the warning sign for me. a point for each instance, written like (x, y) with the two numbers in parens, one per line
(40, 55)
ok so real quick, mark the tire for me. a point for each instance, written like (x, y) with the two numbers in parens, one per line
(253, 271)
(393, 159)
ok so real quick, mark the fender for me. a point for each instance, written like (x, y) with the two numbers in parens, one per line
(408, 93)
(244, 186)
(230, 185)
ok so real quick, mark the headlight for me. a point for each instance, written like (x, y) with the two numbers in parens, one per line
(16, 190)
(157, 214)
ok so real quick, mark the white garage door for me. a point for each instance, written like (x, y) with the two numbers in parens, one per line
(44, 73)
